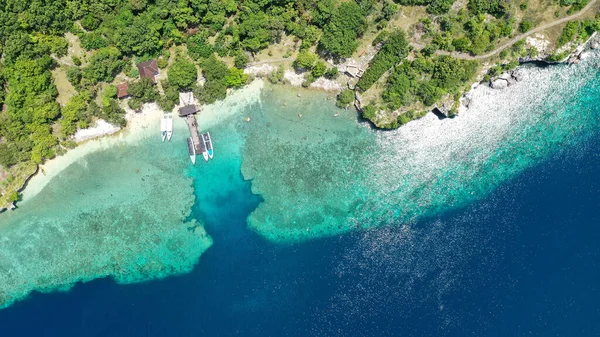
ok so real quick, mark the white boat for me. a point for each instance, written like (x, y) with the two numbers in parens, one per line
(191, 150)
(163, 127)
(208, 144)
(202, 146)
(169, 127)
(205, 155)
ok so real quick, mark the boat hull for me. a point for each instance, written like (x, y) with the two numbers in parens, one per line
(208, 144)
(163, 128)
(169, 125)
(191, 150)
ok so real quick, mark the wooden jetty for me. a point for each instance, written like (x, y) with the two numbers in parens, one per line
(193, 126)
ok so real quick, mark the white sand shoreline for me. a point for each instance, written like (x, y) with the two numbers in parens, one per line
(101, 128)
(137, 123)
(105, 135)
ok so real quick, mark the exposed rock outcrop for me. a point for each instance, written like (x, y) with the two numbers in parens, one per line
(358, 101)
(499, 83)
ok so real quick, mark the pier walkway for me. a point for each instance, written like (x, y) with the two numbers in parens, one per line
(193, 126)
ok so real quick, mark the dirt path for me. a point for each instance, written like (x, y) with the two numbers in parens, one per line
(279, 60)
(465, 56)
(519, 37)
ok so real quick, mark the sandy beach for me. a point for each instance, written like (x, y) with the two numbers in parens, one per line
(102, 128)
(137, 127)
(235, 103)
(105, 135)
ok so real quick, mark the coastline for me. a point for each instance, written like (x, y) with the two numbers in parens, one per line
(138, 126)
(105, 135)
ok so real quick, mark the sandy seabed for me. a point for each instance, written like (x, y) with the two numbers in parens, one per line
(137, 127)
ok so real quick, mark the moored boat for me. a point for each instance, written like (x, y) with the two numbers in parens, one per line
(191, 150)
(169, 127)
(202, 146)
(208, 144)
(163, 127)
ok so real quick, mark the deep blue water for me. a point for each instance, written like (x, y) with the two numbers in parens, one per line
(522, 262)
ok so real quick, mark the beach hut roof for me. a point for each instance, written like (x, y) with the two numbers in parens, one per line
(148, 69)
(122, 90)
(187, 110)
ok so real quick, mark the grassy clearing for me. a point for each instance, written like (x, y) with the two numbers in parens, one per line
(64, 87)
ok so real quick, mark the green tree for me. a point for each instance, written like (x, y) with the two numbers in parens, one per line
(104, 65)
(525, 25)
(72, 112)
(319, 69)
(182, 74)
(236, 78)
(344, 98)
(340, 35)
(305, 60)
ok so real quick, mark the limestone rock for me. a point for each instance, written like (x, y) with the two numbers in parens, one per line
(358, 101)
(499, 83)
(508, 78)
(352, 83)
(517, 75)
(466, 100)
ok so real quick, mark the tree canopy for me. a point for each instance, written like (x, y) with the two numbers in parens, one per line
(182, 73)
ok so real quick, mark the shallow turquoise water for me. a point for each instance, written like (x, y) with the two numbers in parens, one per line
(321, 175)
(316, 169)
(120, 213)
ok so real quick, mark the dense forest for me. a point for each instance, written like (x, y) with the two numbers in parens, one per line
(118, 34)
(118, 31)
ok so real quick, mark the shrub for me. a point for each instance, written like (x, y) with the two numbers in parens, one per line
(332, 73)
(74, 75)
(93, 41)
(308, 80)
(369, 112)
(525, 26)
(277, 75)
(240, 60)
(305, 60)
(162, 62)
(236, 78)
(344, 98)
(13, 196)
(76, 60)
(110, 91)
(319, 69)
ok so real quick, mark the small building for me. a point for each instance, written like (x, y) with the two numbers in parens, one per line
(123, 90)
(148, 69)
(353, 69)
(189, 109)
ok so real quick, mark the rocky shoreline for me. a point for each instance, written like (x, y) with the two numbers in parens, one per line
(511, 77)
(351, 69)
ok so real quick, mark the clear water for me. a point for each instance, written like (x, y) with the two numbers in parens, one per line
(120, 213)
(484, 224)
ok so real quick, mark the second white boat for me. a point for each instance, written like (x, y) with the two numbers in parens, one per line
(169, 127)
(191, 150)
(163, 127)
